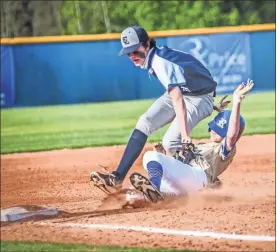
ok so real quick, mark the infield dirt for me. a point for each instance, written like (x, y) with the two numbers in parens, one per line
(60, 179)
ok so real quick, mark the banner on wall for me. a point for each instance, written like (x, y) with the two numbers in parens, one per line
(7, 77)
(227, 56)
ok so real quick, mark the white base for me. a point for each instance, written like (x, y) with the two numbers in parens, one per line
(19, 213)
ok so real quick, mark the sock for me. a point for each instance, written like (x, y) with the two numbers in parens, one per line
(131, 153)
(155, 171)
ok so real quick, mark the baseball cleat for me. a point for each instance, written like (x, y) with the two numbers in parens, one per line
(145, 186)
(95, 178)
(103, 181)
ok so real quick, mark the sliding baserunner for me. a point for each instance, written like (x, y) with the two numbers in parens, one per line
(199, 166)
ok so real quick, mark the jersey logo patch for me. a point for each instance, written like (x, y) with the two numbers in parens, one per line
(221, 123)
(125, 40)
(184, 89)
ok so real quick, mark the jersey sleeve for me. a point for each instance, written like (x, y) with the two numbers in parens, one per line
(224, 153)
(168, 73)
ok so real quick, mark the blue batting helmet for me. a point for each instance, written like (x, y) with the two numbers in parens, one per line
(221, 122)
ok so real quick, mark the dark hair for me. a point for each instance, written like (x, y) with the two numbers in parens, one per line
(152, 42)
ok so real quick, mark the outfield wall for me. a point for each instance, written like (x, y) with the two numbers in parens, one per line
(86, 68)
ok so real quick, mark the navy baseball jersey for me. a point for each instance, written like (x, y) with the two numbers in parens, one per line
(176, 68)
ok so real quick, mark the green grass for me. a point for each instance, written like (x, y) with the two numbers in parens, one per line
(8, 246)
(85, 125)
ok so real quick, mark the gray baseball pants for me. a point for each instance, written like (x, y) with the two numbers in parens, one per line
(162, 112)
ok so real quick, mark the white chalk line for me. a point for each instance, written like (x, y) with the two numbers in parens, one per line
(163, 231)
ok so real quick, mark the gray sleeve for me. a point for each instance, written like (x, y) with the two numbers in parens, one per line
(168, 73)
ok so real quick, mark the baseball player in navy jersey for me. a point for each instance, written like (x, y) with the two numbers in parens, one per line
(182, 175)
(188, 99)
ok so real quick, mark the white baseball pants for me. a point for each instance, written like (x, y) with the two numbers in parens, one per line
(178, 178)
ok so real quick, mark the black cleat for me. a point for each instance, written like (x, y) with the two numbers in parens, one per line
(104, 181)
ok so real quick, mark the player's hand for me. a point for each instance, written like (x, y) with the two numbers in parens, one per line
(222, 104)
(242, 90)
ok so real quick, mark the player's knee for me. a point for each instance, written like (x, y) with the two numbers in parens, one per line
(145, 125)
(150, 156)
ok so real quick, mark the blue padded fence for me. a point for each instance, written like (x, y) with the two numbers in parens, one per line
(91, 71)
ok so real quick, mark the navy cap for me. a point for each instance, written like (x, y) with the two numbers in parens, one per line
(221, 122)
(132, 38)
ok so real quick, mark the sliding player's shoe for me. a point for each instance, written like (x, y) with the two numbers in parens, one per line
(145, 186)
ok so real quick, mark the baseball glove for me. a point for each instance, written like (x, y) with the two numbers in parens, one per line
(185, 152)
